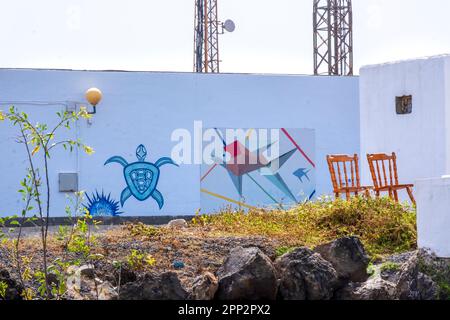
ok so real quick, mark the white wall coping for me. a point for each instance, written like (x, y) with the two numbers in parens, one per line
(389, 63)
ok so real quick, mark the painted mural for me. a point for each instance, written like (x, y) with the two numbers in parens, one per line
(277, 172)
(100, 205)
(141, 177)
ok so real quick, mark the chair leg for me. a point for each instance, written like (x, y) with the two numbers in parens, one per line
(411, 196)
(390, 194)
(395, 195)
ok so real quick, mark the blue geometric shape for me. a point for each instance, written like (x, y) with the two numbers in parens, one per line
(281, 160)
(141, 153)
(141, 177)
(237, 181)
(278, 181)
(102, 206)
(270, 173)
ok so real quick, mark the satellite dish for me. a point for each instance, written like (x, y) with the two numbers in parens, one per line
(229, 25)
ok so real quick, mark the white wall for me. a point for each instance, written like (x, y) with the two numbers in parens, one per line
(145, 107)
(433, 218)
(447, 115)
(421, 139)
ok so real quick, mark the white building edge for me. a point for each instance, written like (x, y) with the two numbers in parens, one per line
(421, 138)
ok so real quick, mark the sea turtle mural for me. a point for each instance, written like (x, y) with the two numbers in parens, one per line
(141, 177)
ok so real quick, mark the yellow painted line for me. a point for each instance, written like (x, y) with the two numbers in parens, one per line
(227, 199)
(249, 133)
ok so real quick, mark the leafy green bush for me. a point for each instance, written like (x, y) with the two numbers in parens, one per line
(142, 230)
(390, 266)
(439, 271)
(280, 251)
(3, 288)
(138, 260)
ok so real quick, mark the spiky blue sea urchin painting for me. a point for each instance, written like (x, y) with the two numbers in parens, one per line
(100, 205)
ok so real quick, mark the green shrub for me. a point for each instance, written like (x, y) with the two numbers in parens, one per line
(142, 230)
(439, 271)
(384, 227)
(371, 269)
(3, 288)
(389, 266)
(138, 260)
(283, 250)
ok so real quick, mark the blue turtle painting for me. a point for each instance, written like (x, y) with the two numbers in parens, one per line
(141, 177)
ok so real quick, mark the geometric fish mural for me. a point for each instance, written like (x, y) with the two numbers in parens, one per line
(269, 168)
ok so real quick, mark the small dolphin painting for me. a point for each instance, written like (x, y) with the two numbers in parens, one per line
(302, 173)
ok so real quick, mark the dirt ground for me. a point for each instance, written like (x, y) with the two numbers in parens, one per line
(196, 249)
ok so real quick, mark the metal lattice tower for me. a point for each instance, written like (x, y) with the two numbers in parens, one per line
(333, 37)
(206, 40)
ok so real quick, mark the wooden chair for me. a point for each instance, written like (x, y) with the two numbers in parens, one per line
(344, 171)
(378, 164)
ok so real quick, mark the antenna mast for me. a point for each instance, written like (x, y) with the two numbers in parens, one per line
(333, 37)
(206, 39)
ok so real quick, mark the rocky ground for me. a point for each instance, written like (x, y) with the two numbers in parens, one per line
(189, 264)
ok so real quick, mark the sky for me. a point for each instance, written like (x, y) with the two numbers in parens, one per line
(272, 36)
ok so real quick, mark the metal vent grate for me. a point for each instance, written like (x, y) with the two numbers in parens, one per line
(68, 182)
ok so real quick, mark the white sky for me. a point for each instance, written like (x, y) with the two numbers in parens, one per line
(272, 36)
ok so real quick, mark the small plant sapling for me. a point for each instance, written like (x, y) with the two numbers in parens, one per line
(39, 142)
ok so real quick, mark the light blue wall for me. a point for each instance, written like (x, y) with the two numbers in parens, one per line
(145, 107)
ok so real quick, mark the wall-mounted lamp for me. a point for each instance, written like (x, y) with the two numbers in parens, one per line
(94, 96)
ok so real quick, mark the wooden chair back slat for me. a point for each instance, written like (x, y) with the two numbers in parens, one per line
(384, 173)
(358, 180)
(353, 175)
(378, 176)
(333, 174)
(394, 161)
(339, 173)
(345, 174)
(390, 172)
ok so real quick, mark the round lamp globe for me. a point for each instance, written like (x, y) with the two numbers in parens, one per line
(94, 96)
